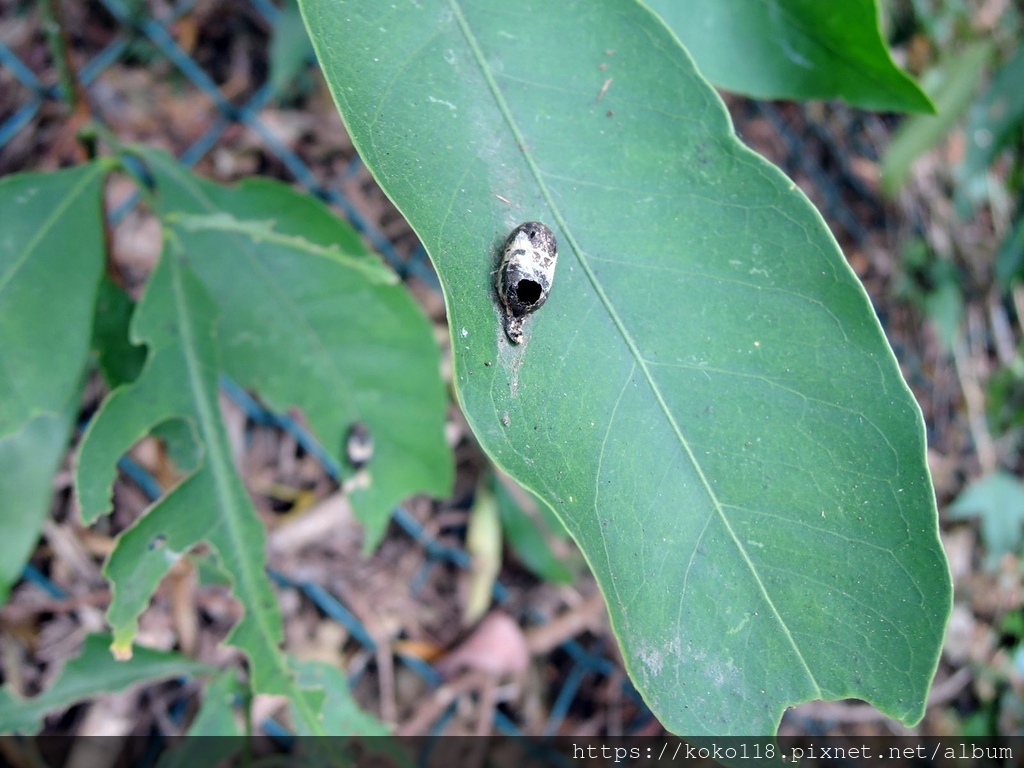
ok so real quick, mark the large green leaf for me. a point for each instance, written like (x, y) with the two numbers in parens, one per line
(706, 399)
(793, 49)
(93, 672)
(176, 320)
(310, 318)
(51, 260)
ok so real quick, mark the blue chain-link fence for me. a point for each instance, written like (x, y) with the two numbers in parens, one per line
(820, 154)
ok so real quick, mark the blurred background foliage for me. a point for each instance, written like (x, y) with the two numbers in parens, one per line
(958, 176)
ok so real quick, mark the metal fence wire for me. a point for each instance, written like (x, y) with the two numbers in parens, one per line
(817, 145)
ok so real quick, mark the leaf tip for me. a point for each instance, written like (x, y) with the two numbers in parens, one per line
(121, 648)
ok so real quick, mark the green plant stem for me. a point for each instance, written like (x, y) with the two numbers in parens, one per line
(60, 51)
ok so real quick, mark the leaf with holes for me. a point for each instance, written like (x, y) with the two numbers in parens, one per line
(176, 320)
(310, 318)
(794, 49)
(706, 398)
(51, 261)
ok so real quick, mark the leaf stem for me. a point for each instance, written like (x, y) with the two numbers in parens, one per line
(72, 92)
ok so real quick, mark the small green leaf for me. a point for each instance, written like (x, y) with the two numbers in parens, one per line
(217, 717)
(945, 307)
(934, 285)
(290, 49)
(996, 117)
(51, 260)
(176, 319)
(92, 673)
(310, 318)
(793, 49)
(1004, 397)
(958, 79)
(341, 716)
(706, 399)
(118, 359)
(998, 501)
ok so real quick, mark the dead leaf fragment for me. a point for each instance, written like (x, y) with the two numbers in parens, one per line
(497, 646)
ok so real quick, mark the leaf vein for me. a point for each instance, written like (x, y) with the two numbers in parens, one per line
(627, 338)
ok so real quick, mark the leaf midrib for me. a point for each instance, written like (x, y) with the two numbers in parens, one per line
(46, 226)
(222, 471)
(219, 467)
(640, 361)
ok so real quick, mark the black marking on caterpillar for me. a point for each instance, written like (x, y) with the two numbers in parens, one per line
(526, 273)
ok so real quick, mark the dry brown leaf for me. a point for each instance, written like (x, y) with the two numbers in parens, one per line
(497, 646)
